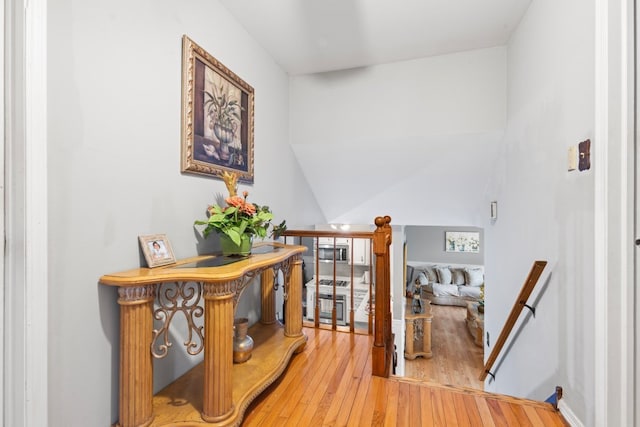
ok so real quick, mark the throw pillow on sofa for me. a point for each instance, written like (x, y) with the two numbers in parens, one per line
(444, 275)
(473, 276)
(422, 279)
(457, 276)
(409, 275)
(431, 274)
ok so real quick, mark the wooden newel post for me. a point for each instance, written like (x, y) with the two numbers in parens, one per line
(136, 364)
(382, 352)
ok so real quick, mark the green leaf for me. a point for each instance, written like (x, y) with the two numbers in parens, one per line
(219, 217)
(235, 236)
(264, 216)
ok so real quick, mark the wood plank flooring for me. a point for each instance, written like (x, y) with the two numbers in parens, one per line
(456, 359)
(330, 384)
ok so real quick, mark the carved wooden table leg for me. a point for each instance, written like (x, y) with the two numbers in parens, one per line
(293, 310)
(136, 364)
(409, 334)
(268, 298)
(427, 337)
(217, 403)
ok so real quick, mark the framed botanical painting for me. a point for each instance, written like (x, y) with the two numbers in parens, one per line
(462, 241)
(217, 117)
(157, 250)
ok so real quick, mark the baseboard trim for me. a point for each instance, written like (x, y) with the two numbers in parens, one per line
(569, 415)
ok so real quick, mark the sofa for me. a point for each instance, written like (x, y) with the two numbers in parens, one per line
(445, 284)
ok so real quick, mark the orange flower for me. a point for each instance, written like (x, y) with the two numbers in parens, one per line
(235, 201)
(248, 209)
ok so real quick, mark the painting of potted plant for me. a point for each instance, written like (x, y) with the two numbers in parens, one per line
(217, 117)
(222, 109)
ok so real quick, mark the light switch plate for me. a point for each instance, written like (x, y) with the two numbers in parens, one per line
(572, 158)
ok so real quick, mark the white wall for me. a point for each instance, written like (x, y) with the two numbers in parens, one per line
(114, 159)
(426, 243)
(546, 213)
(415, 139)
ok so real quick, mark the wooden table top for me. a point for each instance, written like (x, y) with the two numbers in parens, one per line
(426, 310)
(206, 268)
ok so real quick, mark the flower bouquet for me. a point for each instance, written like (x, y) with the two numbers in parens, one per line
(239, 221)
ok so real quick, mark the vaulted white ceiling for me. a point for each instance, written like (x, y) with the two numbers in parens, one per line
(352, 176)
(309, 36)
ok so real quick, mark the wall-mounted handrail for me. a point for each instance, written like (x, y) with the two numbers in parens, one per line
(521, 302)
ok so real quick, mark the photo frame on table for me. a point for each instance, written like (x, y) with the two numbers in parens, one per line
(462, 241)
(217, 117)
(157, 250)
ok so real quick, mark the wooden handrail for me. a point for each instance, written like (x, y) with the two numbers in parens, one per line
(328, 233)
(521, 301)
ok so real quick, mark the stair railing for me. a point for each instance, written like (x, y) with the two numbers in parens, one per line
(521, 302)
(379, 295)
(316, 235)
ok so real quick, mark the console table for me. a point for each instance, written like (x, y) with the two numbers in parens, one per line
(216, 392)
(417, 338)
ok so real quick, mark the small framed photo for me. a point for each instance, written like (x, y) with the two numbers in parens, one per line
(157, 250)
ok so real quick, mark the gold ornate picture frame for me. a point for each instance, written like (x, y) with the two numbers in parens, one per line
(157, 250)
(217, 117)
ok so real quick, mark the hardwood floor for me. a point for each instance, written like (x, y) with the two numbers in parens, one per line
(330, 383)
(456, 359)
